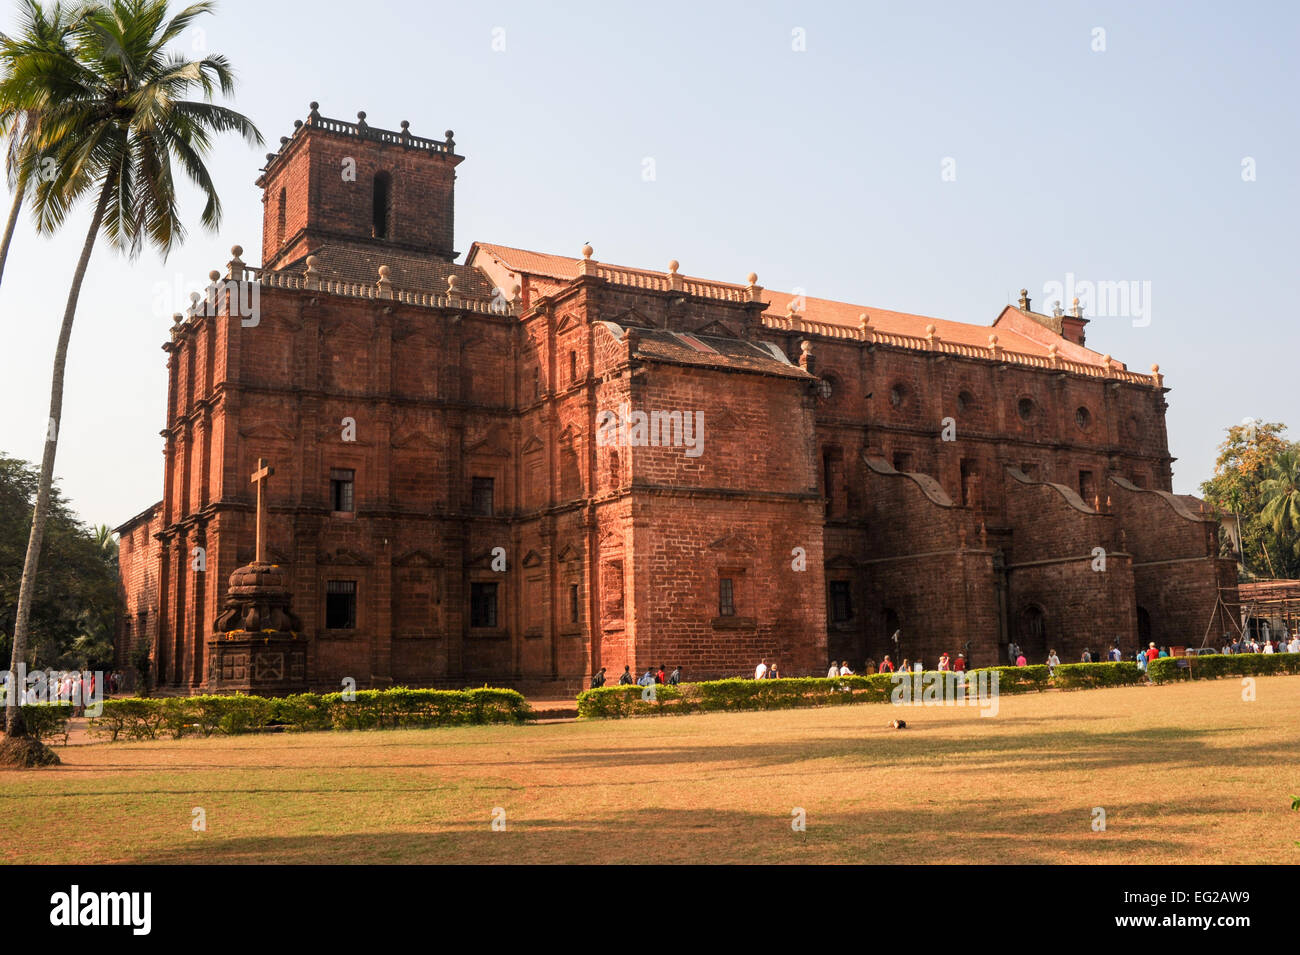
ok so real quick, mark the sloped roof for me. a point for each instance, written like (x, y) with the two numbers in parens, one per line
(360, 265)
(845, 314)
(708, 351)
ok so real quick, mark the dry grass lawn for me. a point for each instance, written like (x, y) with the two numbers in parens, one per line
(1187, 773)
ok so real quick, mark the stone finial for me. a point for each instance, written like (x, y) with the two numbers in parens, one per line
(1057, 311)
(930, 334)
(790, 310)
(806, 360)
(1076, 310)
(1024, 299)
(516, 291)
(297, 125)
(451, 140)
(587, 265)
(194, 305)
(1052, 353)
(311, 278)
(754, 290)
(1156, 376)
(674, 280)
(406, 130)
(993, 345)
(1105, 363)
(587, 251)
(315, 110)
(177, 318)
(752, 278)
(361, 118)
(235, 266)
(385, 283)
(451, 287)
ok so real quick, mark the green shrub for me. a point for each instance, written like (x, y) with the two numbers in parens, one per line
(733, 695)
(1215, 665)
(1028, 679)
(1073, 676)
(367, 709)
(132, 718)
(45, 721)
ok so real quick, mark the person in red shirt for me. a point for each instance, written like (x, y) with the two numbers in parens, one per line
(1152, 653)
(886, 666)
(661, 676)
(959, 664)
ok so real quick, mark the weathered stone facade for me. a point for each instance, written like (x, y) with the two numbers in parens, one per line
(452, 504)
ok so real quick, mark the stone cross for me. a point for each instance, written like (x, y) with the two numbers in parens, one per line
(259, 477)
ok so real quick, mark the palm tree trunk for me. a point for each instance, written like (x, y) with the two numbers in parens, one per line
(9, 229)
(13, 712)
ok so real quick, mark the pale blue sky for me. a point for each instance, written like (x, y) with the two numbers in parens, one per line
(818, 169)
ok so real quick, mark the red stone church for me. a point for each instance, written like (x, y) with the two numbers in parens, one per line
(523, 468)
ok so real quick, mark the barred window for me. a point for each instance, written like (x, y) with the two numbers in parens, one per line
(726, 597)
(341, 483)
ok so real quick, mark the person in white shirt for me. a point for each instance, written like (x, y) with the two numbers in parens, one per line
(760, 671)
(1268, 647)
(844, 669)
(1294, 645)
(833, 672)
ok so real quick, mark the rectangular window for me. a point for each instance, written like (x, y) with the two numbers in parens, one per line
(341, 482)
(573, 603)
(482, 605)
(726, 597)
(484, 489)
(841, 601)
(340, 605)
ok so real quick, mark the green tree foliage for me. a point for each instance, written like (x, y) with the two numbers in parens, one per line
(1255, 477)
(77, 597)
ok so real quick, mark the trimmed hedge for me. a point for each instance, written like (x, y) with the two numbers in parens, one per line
(396, 708)
(1074, 676)
(47, 720)
(741, 693)
(1215, 665)
(744, 694)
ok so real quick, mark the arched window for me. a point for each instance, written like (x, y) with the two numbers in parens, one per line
(382, 208)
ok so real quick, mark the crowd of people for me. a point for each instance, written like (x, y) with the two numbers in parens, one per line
(65, 686)
(957, 664)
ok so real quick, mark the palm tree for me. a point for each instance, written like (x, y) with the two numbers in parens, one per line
(40, 33)
(1280, 494)
(117, 123)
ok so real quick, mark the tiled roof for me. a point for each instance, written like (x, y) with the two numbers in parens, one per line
(360, 265)
(832, 312)
(708, 351)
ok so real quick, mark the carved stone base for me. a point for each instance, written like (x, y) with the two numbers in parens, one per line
(261, 664)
